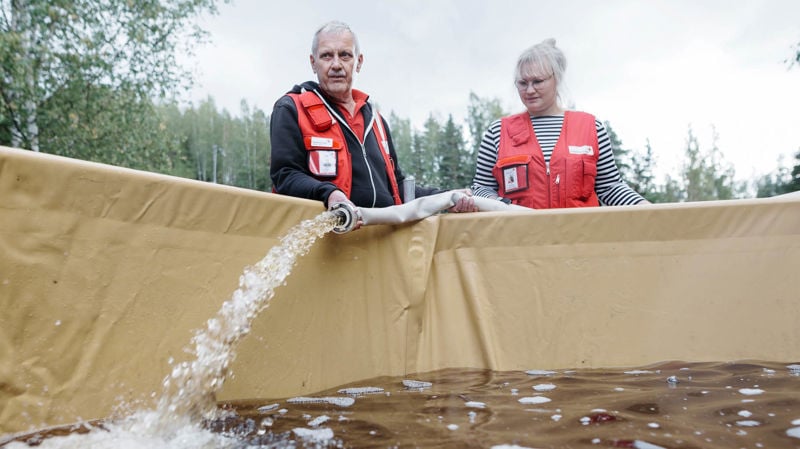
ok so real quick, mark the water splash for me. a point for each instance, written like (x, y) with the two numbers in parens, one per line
(189, 391)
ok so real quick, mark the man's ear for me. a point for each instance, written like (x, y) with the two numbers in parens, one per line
(360, 61)
(311, 60)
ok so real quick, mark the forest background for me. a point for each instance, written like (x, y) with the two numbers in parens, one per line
(101, 80)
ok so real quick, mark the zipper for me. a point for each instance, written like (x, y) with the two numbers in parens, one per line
(361, 142)
(547, 172)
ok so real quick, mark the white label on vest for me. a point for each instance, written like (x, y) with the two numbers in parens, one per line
(327, 163)
(510, 178)
(321, 142)
(584, 149)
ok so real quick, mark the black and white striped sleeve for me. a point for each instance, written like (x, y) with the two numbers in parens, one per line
(610, 188)
(484, 184)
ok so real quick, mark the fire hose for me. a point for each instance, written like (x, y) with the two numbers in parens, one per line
(349, 215)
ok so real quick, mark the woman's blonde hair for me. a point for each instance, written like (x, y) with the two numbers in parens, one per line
(543, 59)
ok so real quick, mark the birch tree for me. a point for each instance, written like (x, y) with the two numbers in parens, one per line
(79, 77)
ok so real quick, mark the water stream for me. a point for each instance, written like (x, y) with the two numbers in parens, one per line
(189, 392)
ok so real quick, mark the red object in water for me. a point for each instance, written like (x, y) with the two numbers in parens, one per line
(601, 417)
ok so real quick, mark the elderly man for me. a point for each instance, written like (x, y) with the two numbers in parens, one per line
(328, 142)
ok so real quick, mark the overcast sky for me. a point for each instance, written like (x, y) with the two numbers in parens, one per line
(651, 68)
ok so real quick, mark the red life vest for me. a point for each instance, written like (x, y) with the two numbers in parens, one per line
(567, 181)
(328, 156)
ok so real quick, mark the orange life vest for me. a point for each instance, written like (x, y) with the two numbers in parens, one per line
(328, 156)
(567, 181)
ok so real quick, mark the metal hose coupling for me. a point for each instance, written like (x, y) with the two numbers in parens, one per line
(347, 216)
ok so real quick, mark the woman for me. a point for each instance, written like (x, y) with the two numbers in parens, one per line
(548, 157)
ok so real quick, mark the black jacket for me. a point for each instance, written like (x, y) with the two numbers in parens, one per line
(289, 164)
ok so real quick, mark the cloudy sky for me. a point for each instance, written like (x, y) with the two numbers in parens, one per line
(651, 68)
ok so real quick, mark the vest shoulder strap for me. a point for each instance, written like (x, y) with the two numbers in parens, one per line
(584, 118)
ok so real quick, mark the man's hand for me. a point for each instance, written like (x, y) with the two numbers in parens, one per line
(338, 197)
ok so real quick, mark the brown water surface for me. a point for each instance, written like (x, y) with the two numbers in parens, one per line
(669, 405)
(751, 404)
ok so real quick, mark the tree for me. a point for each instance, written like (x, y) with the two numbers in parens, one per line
(481, 112)
(775, 183)
(450, 152)
(794, 182)
(79, 74)
(424, 152)
(641, 177)
(403, 137)
(707, 176)
(177, 151)
(794, 59)
(783, 180)
(246, 143)
(204, 128)
(670, 192)
(636, 168)
(220, 148)
(622, 155)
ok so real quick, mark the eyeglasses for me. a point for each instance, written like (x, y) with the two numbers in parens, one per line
(522, 85)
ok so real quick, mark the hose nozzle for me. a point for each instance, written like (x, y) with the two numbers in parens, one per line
(347, 217)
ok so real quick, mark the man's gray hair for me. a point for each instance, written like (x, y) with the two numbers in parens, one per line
(335, 27)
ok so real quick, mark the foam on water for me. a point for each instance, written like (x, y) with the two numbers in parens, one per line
(540, 372)
(751, 391)
(410, 383)
(189, 391)
(316, 422)
(355, 391)
(534, 400)
(475, 404)
(139, 431)
(314, 434)
(333, 400)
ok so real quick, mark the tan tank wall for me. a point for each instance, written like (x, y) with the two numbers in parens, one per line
(105, 273)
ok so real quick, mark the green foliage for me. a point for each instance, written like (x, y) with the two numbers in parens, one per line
(423, 151)
(783, 180)
(636, 169)
(670, 192)
(794, 181)
(103, 125)
(795, 58)
(455, 167)
(403, 138)
(481, 112)
(622, 156)
(80, 76)
(641, 177)
(706, 174)
(220, 148)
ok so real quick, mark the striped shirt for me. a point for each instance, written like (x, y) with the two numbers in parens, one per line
(610, 188)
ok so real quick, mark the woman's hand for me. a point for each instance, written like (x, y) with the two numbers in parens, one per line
(465, 203)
